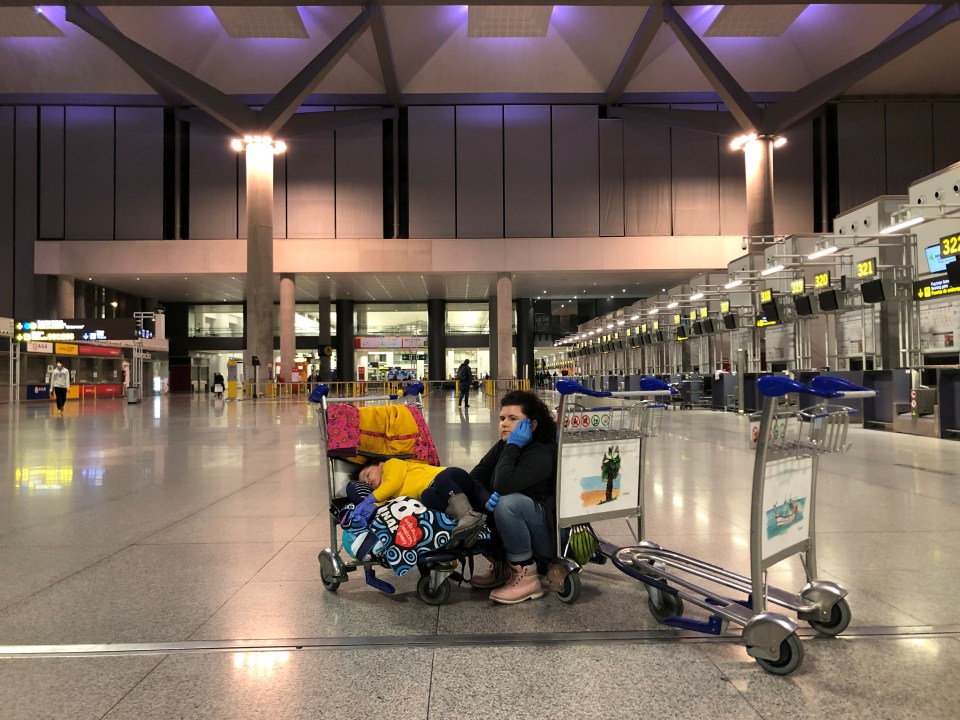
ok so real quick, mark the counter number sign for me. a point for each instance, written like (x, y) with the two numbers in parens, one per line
(797, 287)
(821, 281)
(766, 296)
(950, 246)
(867, 268)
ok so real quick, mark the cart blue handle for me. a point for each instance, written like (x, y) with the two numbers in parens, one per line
(319, 392)
(415, 389)
(780, 385)
(651, 383)
(840, 387)
(570, 387)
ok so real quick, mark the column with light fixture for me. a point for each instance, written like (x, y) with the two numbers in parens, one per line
(758, 164)
(504, 368)
(259, 151)
(288, 323)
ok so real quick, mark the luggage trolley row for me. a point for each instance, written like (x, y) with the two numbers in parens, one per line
(788, 444)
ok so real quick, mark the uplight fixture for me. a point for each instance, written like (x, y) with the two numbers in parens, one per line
(779, 142)
(279, 146)
(771, 270)
(903, 225)
(739, 142)
(652, 311)
(732, 284)
(672, 305)
(697, 296)
(830, 250)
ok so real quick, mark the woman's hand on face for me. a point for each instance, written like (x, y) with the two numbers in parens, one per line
(522, 434)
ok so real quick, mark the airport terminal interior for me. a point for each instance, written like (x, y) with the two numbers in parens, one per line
(212, 214)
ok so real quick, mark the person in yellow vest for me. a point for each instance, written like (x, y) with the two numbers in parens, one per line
(439, 488)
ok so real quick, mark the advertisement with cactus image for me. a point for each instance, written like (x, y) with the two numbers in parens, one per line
(786, 511)
(599, 477)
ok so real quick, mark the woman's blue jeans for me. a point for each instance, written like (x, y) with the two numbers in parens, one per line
(522, 525)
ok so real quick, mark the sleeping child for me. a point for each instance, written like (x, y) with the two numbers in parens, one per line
(438, 488)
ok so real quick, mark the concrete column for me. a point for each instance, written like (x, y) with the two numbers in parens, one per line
(758, 159)
(66, 299)
(492, 333)
(346, 369)
(505, 367)
(437, 338)
(288, 334)
(259, 288)
(525, 332)
(80, 299)
(323, 339)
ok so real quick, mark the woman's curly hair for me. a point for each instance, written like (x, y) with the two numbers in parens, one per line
(535, 409)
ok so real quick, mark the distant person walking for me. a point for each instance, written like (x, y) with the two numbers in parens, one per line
(60, 382)
(464, 378)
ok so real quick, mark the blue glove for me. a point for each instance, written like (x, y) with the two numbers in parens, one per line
(522, 434)
(363, 512)
(492, 502)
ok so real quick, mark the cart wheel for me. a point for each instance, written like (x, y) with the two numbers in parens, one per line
(438, 596)
(331, 581)
(571, 588)
(840, 617)
(667, 606)
(791, 655)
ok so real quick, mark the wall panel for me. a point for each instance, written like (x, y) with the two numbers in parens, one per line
(860, 153)
(27, 298)
(213, 183)
(479, 171)
(576, 161)
(359, 186)
(7, 277)
(88, 173)
(793, 182)
(52, 135)
(695, 163)
(139, 174)
(526, 171)
(909, 144)
(310, 193)
(611, 177)
(432, 172)
(733, 190)
(946, 139)
(647, 185)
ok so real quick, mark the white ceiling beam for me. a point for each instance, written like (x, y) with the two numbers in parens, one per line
(221, 106)
(649, 26)
(285, 103)
(388, 68)
(738, 102)
(805, 102)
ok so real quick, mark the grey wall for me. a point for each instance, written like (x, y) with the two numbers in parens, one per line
(885, 146)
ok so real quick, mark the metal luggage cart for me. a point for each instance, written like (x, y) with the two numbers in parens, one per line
(435, 567)
(600, 464)
(789, 444)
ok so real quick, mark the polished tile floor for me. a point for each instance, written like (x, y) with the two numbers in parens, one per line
(159, 561)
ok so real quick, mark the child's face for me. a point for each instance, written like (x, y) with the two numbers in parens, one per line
(372, 475)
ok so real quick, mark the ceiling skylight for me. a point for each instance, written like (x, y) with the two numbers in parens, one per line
(508, 21)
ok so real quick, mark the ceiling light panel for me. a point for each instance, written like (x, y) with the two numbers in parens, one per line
(508, 21)
(26, 22)
(754, 20)
(261, 22)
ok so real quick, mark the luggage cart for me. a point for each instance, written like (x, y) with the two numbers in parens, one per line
(599, 465)
(435, 568)
(789, 444)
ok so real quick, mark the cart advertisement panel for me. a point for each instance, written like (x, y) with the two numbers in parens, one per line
(785, 513)
(599, 477)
